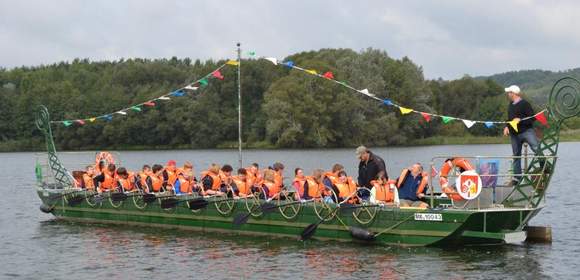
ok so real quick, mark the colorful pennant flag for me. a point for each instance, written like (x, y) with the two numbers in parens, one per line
(405, 111)
(190, 87)
(232, 62)
(67, 123)
(81, 122)
(178, 93)
(122, 113)
(203, 82)
(272, 59)
(468, 123)
(328, 75)
(488, 124)
(288, 64)
(514, 124)
(313, 72)
(388, 102)
(92, 119)
(149, 103)
(251, 53)
(108, 117)
(136, 108)
(541, 118)
(164, 98)
(446, 119)
(426, 116)
(218, 74)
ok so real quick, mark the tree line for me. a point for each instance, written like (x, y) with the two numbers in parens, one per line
(281, 107)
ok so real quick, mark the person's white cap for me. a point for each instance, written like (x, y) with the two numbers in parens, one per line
(513, 88)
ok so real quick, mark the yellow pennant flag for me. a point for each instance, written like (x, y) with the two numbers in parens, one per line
(92, 119)
(514, 124)
(313, 72)
(405, 111)
(232, 62)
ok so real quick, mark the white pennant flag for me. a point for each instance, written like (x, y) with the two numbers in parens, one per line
(468, 123)
(366, 92)
(164, 98)
(122, 113)
(190, 87)
(272, 59)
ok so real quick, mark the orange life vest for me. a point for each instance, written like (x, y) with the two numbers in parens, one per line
(216, 180)
(331, 176)
(88, 181)
(109, 181)
(273, 188)
(243, 187)
(382, 191)
(126, 184)
(278, 180)
(185, 184)
(156, 183)
(299, 184)
(143, 178)
(171, 176)
(315, 190)
(445, 169)
(346, 189)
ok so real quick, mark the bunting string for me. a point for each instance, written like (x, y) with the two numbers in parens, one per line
(182, 91)
(540, 116)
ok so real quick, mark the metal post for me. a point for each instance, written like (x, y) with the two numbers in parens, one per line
(525, 158)
(240, 107)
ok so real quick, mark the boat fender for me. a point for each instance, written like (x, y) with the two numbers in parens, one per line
(46, 209)
(361, 234)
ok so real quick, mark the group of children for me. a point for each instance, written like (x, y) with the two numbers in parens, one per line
(333, 185)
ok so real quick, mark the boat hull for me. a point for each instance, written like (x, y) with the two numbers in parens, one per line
(392, 226)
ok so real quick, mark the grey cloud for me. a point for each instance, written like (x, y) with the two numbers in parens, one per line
(448, 38)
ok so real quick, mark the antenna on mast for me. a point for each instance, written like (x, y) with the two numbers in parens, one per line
(239, 106)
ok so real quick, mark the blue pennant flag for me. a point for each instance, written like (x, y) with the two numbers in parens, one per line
(178, 93)
(488, 124)
(387, 102)
(288, 64)
(108, 118)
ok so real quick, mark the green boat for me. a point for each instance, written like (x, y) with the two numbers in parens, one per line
(499, 214)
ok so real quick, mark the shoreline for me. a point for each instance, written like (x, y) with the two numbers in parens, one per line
(572, 136)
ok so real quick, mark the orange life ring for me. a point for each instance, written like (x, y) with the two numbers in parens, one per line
(448, 165)
(106, 157)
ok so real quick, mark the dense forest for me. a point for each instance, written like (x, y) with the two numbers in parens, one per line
(282, 107)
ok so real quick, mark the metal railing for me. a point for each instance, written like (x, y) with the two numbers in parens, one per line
(496, 173)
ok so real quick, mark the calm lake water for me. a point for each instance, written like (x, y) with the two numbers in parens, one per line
(34, 245)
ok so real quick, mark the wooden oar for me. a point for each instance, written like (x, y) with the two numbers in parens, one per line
(121, 196)
(194, 203)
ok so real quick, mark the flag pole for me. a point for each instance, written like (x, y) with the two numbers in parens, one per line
(239, 106)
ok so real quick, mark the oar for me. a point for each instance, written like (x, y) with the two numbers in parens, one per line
(311, 228)
(194, 204)
(121, 196)
(76, 200)
(349, 208)
(366, 235)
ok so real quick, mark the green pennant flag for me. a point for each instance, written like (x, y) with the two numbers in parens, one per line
(447, 119)
(342, 83)
(67, 123)
(203, 82)
(136, 108)
(251, 53)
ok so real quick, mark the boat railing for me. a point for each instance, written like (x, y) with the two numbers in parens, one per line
(72, 161)
(497, 178)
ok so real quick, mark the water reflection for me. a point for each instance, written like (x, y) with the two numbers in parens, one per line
(146, 252)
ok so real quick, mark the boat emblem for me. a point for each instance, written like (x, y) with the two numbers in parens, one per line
(468, 185)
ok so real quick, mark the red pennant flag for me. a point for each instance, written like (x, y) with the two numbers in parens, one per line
(328, 75)
(81, 122)
(426, 116)
(149, 103)
(433, 171)
(542, 118)
(217, 74)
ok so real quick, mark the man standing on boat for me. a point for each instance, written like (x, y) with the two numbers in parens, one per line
(521, 111)
(369, 167)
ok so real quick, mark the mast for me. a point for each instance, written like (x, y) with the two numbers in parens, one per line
(239, 107)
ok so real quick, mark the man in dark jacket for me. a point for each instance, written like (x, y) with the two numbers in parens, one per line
(520, 111)
(369, 168)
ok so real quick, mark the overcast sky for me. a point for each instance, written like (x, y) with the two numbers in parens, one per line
(447, 38)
